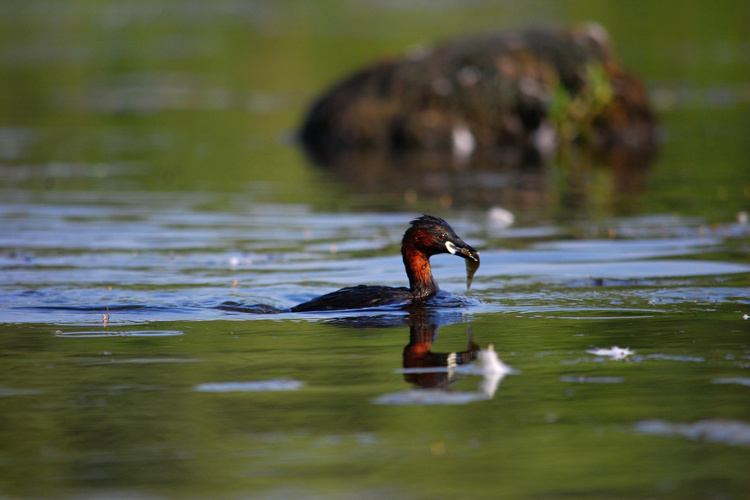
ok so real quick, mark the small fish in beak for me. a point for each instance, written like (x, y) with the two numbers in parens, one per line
(472, 264)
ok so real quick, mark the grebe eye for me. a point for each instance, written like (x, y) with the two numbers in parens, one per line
(444, 236)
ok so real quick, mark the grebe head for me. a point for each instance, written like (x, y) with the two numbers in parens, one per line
(431, 235)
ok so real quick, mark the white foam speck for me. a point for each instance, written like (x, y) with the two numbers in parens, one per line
(613, 352)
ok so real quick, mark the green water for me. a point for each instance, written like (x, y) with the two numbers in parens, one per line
(121, 414)
(148, 173)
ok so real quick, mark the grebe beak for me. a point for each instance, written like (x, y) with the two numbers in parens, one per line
(464, 251)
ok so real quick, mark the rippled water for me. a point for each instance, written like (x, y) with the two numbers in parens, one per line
(160, 259)
(119, 369)
(147, 176)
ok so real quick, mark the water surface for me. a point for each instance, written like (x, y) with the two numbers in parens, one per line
(120, 370)
(148, 174)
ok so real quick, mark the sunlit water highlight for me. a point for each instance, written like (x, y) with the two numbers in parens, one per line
(74, 263)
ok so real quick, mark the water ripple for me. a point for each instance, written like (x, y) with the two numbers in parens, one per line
(118, 333)
(731, 432)
(272, 385)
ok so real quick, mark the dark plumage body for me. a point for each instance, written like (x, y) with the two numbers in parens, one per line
(426, 237)
(356, 297)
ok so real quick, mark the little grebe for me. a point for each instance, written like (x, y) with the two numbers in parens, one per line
(426, 237)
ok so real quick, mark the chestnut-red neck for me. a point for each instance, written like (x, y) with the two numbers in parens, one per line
(417, 263)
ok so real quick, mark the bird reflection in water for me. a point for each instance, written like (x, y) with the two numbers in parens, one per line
(420, 362)
(432, 373)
